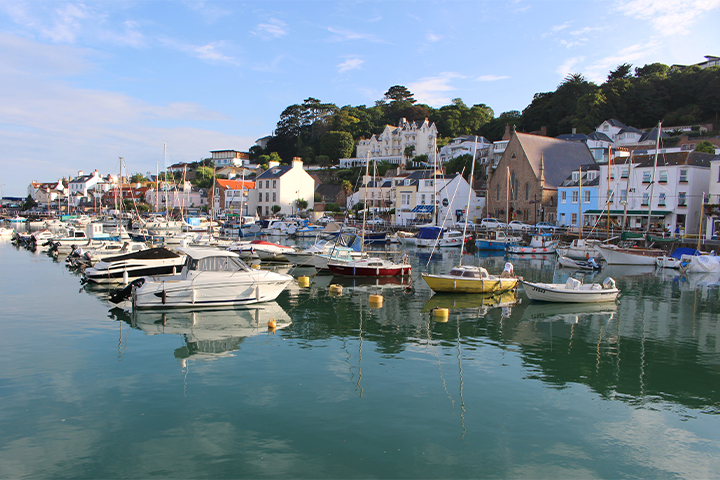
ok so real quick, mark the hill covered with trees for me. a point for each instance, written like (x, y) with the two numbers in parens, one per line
(321, 133)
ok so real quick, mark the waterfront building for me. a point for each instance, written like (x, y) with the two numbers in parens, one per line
(577, 195)
(281, 185)
(224, 158)
(524, 185)
(231, 196)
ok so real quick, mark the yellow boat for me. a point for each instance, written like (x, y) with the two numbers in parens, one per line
(469, 279)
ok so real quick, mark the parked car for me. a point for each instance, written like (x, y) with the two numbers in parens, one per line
(375, 221)
(518, 226)
(491, 224)
(546, 227)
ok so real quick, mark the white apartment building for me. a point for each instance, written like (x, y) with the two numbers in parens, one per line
(390, 145)
(479, 147)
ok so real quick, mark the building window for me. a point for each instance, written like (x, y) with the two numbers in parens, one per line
(267, 196)
(405, 199)
(422, 201)
(267, 183)
(563, 196)
(575, 176)
(663, 176)
(623, 196)
(586, 196)
(683, 175)
(682, 199)
(645, 199)
(497, 192)
(260, 196)
(575, 196)
(274, 197)
(573, 219)
(611, 196)
(527, 191)
(661, 200)
(625, 172)
(647, 176)
(217, 191)
(274, 183)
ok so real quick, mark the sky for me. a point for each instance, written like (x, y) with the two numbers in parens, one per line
(84, 83)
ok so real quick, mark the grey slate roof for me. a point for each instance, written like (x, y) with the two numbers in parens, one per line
(573, 137)
(559, 157)
(274, 172)
(630, 130)
(616, 123)
(599, 136)
(652, 135)
(691, 158)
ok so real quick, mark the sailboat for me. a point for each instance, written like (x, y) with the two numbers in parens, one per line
(370, 266)
(615, 255)
(470, 278)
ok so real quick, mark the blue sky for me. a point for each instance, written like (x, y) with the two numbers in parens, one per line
(85, 82)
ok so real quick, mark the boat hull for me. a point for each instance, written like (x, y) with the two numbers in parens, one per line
(630, 256)
(451, 284)
(549, 292)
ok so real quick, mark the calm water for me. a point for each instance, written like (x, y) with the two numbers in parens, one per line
(349, 391)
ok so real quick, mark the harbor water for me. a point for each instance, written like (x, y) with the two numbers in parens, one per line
(500, 388)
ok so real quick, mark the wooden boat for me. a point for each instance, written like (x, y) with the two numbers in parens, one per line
(590, 264)
(496, 240)
(469, 279)
(370, 267)
(572, 291)
(539, 243)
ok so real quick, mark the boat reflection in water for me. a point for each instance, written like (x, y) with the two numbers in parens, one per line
(568, 312)
(211, 332)
(465, 301)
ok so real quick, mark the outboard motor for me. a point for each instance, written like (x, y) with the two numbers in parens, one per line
(608, 283)
(123, 294)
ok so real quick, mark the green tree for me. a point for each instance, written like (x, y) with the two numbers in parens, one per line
(408, 152)
(337, 145)
(137, 178)
(705, 147)
(29, 203)
(275, 209)
(622, 71)
(301, 203)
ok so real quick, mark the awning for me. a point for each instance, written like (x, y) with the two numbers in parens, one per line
(642, 213)
(423, 209)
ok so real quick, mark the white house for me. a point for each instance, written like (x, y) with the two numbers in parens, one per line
(479, 147)
(224, 158)
(82, 183)
(282, 185)
(390, 145)
(681, 179)
(713, 208)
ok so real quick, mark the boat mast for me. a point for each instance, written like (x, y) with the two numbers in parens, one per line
(580, 203)
(165, 178)
(507, 195)
(470, 191)
(652, 182)
(435, 199)
(157, 186)
(365, 203)
(607, 227)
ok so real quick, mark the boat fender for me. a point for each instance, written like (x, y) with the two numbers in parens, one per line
(272, 325)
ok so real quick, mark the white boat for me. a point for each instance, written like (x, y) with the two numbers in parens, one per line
(404, 238)
(261, 249)
(304, 258)
(572, 291)
(440, 237)
(579, 249)
(700, 264)
(125, 268)
(540, 243)
(91, 256)
(210, 278)
(615, 255)
(6, 232)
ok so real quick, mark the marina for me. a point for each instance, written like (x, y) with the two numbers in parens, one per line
(344, 388)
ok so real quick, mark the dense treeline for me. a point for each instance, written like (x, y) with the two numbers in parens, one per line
(321, 133)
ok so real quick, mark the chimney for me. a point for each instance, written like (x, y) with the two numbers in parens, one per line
(80, 173)
(273, 164)
(506, 136)
(297, 162)
(574, 130)
(543, 131)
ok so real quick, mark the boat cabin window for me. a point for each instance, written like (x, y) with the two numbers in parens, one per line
(216, 264)
(456, 272)
(471, 274)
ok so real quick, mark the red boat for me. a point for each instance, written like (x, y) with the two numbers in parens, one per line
(371, 267)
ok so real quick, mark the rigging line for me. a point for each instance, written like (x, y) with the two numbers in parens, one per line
(432, 252)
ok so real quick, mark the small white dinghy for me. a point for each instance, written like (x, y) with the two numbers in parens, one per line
(590, 264)
(572, 291)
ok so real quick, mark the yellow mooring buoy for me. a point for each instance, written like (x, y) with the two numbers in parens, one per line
(272, 325)
(304, 281)
(376, 301)
(255, 266)
(334, 288)
(440, 314)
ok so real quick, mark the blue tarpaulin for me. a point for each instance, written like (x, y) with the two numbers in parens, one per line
(423, 209)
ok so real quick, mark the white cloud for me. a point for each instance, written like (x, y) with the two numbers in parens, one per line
(273, 29)
(668, 17)
(433, 37)
(568, 66)
(430, 90)
(350, 64)
(341, 35)
(209, 52)
(491, 78)
(598, 71)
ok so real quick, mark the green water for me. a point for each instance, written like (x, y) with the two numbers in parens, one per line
(344, 390)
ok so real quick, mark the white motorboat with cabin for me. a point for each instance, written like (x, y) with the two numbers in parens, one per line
(209, 278)
(125, 268)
